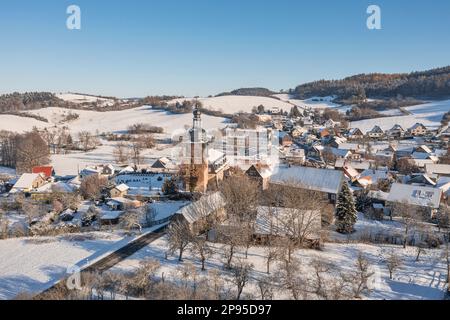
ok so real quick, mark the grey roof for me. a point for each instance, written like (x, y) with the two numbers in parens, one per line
(323, 180)
(438, 168)
(415, 195)
(207, 205)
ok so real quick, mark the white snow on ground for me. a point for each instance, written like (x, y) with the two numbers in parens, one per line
(70, 164)
(414, 280)
(35, 264)
(7, 171)
(112, 121)
(313, 103)
(429, 114)
(391, 112)
(20, 124)
(234, 104)
(79, 98)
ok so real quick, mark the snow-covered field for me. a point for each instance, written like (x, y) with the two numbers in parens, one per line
(20, 124)
(313, 103)
(113, 121)
(35, 264)
(79, 98)
(70, 164)
(7, 171)
(234, 104)
(429, 114)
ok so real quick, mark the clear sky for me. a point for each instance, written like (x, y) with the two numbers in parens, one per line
(201, 47)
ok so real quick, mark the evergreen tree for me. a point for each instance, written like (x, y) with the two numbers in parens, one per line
(170, 187)
(346, 213)
(295, 112)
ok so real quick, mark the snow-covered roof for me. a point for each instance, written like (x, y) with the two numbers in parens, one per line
(127, 169)
(375, 175)
(415, 195)
(416, 126)
(122, 187)
(358, 165)
(26, 180)
(277, 221)
(378, 195)
(432, 168)
(214, 155)
(322, 180)
(207, 205)
(162, 210)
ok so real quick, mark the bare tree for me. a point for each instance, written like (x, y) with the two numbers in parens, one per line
(91, 187)
(241, 197)
(201, 247)
(361, 276)
(410, 217)
(272, 253)
(180, 237)
(136, 147)
(321, 268)
(121, 152)
(393, 262)
(131, 219)
(241, 275)
(290, 278)
(32, 151)
(265, 286)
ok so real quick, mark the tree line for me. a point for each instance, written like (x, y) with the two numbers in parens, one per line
(433, 83)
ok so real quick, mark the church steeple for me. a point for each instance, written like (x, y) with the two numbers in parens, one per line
(197, 133)
(197, 122)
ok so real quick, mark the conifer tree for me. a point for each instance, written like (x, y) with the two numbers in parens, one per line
(346, 214)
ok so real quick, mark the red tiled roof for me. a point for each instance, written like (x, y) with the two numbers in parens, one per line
(46, 170)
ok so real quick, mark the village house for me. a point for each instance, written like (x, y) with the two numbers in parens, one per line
(89, 171)
(119, 191)
(28, 182)
(396, 132)
(324, 181)
(285, 139)
(350, 172)
(295, 156)
(196, 214)
(260, 173)
(355, 134)
(427, 198)
(46, 171)
(331, 124)
(358, 165)
(163, 164)
(298, 132)
(120, 204)
(375, 133)
(418, 130)
(217, 165)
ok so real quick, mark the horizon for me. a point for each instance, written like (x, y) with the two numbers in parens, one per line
(202, 48)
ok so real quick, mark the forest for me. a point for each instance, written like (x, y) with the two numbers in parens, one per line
(431, 84)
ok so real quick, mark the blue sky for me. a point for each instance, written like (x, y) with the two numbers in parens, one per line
(201, 47)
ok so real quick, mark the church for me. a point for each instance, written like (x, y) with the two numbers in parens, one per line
(201, 167)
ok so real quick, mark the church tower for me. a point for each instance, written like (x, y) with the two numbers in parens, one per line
(196, 168)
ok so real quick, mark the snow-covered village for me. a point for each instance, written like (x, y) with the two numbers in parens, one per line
(334, 189)
(278, 202)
